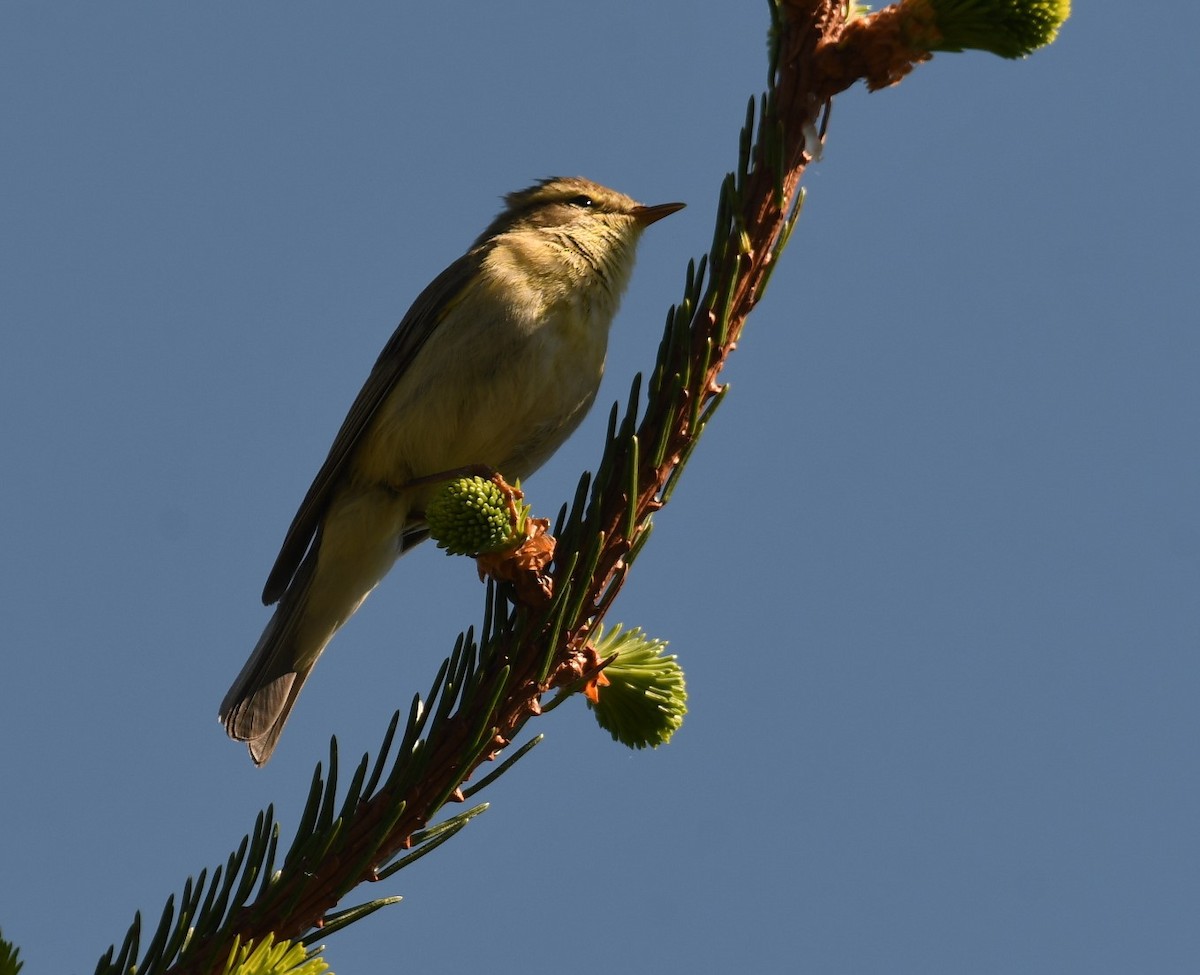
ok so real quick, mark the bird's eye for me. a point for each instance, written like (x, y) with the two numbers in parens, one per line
(580, 201)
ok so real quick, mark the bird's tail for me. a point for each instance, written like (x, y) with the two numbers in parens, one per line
(359, 540)
(257, 706)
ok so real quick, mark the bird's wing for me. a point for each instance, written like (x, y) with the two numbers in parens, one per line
(393, 362)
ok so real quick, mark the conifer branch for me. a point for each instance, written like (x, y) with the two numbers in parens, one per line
(539, 622)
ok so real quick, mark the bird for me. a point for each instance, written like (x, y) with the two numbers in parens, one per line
(494, 366)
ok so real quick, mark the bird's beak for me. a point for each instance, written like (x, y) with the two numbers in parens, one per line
(648, 215)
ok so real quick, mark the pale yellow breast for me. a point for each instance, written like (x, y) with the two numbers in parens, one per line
(507, 374)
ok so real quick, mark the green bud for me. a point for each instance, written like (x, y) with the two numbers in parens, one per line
(473, 516)
(1009, 28)
(644, 700)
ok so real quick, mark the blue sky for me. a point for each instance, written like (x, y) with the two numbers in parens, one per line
(933, 573)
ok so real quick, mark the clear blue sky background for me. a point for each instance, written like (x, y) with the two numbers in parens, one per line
(934, 573)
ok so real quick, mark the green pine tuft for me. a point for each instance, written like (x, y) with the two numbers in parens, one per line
(645, 700)
(1009, 28)
(267, 957)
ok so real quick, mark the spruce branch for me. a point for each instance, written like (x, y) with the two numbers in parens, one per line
(10, 963)
(541, 618)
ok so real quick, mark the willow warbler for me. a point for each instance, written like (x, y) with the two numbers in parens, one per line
(494, 365)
